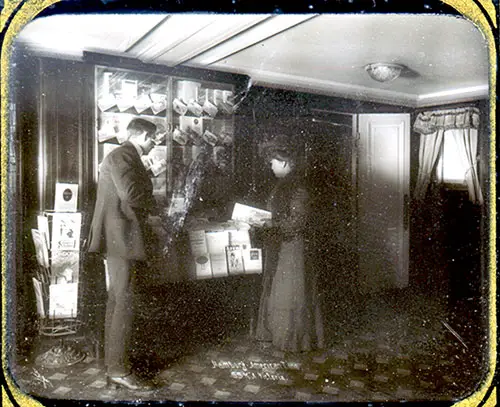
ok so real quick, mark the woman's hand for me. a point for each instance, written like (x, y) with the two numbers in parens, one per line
(268, 223)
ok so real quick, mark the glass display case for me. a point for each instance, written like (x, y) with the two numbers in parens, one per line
(191, 116)
(123, 95)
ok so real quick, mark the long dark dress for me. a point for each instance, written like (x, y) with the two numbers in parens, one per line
(289, 311)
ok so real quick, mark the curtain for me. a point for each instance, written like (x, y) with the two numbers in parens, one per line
(463, 118)
(462, 124)
(430, 146)
(466, 140)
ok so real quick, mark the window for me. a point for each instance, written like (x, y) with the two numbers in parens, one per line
(451, 167)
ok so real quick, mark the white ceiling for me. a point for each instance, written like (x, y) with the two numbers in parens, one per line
(446, 56)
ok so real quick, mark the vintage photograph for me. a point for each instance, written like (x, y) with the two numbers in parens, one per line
(250, 207)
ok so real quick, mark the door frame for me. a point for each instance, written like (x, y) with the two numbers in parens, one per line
(401, 280)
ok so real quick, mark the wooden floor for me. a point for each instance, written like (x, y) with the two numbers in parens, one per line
(395, 348)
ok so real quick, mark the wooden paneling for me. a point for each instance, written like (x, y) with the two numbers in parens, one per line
(64, 111)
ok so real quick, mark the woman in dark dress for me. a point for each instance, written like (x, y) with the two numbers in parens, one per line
(289, 312)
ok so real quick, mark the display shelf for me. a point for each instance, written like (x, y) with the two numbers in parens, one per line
(123, 95)
(189, 113)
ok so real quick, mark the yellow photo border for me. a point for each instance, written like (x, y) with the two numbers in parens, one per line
(17, 13)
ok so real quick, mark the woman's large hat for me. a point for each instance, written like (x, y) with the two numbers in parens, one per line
(278, 146)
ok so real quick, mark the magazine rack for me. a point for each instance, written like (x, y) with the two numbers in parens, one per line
(52, 325)
(56, 285)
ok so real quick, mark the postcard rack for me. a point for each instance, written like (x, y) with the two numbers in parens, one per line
(50, 325)
(57, 244)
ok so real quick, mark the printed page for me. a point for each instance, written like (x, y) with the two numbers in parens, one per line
(250, 215)
(66, 231)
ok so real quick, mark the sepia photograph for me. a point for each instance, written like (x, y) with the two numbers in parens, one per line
(250, 207)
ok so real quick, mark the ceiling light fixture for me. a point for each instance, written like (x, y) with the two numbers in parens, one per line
(382, 72)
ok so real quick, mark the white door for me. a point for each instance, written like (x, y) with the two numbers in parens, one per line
(383, 158)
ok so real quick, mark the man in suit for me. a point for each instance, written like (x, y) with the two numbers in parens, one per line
(120, 231)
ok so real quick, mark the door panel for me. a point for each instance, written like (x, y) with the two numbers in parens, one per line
(383, 184)
(329, 151)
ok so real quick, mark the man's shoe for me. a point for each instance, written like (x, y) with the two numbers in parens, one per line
(130, 382)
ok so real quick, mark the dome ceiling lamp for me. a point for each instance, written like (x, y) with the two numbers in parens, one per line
(382, 72)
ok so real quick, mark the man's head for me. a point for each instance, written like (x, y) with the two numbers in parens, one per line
(142, 133)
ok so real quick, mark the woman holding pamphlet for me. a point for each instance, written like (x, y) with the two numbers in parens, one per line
(289, 312)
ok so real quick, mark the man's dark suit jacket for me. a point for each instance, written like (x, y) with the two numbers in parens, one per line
(124, 201)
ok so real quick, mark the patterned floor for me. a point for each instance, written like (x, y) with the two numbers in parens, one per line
(395, 356)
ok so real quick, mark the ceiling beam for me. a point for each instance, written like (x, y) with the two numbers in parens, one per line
(217, 33)
(169, 34)
(267, 29)
(146, 36)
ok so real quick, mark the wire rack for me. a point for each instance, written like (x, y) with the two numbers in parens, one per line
(55, 325)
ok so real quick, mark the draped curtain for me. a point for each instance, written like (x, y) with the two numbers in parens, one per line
(466, 140)
(462, 124)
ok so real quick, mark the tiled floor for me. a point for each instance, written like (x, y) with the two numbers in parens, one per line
(401, 352)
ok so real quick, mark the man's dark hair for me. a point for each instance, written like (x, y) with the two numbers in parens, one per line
(139, 126)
